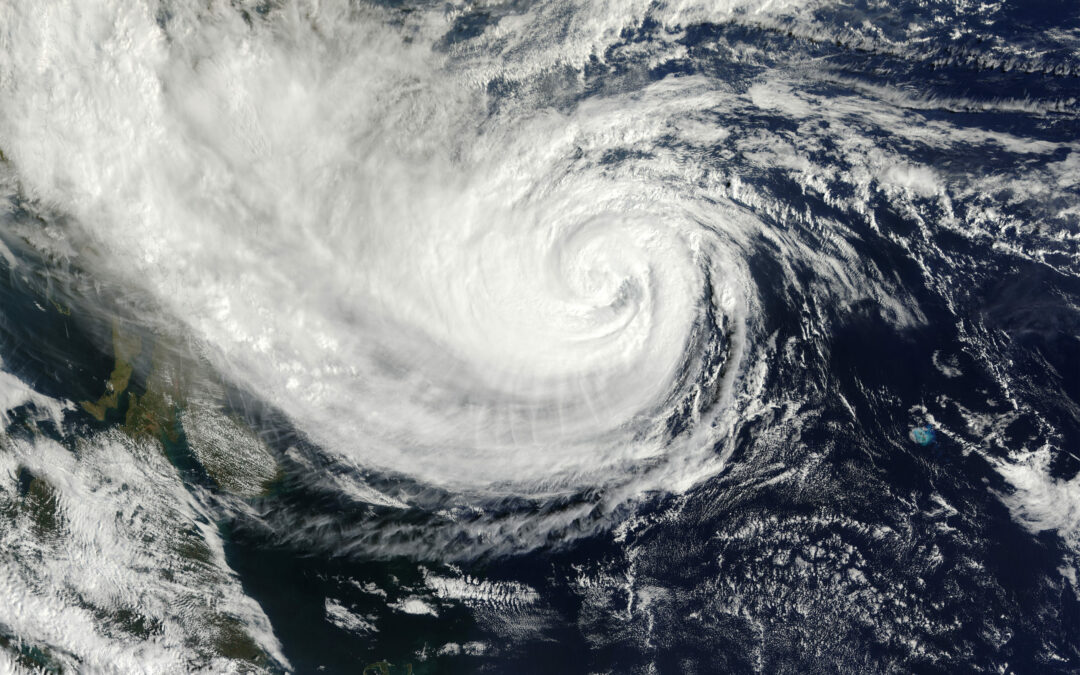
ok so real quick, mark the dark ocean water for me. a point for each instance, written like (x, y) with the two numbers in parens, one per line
(912, 173)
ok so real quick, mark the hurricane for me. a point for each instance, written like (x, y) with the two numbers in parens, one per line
(620, 336)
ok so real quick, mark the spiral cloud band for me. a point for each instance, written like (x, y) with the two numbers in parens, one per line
(477, 302)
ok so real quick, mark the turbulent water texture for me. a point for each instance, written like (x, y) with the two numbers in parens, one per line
(622, 336)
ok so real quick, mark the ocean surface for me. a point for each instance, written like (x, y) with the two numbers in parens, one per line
(573, 336)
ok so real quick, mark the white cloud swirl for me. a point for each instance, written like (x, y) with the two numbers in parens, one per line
(476, 302)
